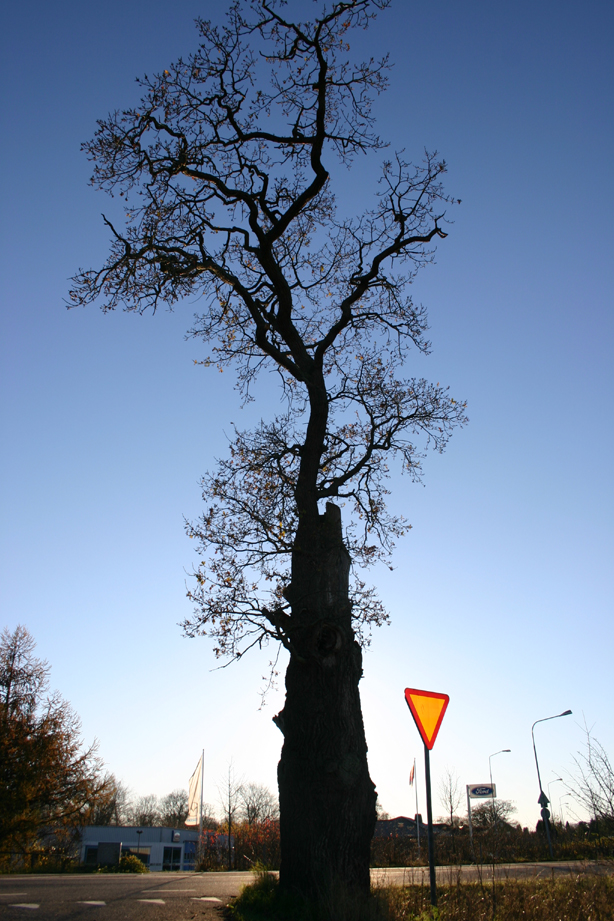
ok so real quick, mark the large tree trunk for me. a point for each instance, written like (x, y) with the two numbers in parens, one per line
(327, 799)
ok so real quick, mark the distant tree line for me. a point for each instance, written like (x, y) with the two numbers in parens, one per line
(240, 802)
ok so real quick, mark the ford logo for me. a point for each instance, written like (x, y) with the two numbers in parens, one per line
(481, 791)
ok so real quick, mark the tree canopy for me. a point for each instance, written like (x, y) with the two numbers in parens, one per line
(225, 166)
(48, 780)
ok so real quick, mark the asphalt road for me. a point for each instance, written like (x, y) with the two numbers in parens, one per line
(412, 876)
(201, 896)
(121, 897)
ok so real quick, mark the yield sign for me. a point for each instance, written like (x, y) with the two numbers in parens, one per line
(427, 709)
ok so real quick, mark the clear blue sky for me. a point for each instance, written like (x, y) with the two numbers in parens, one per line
(502, 593)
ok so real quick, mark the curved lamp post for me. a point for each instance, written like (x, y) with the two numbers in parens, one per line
(500, 752)
(543, 799)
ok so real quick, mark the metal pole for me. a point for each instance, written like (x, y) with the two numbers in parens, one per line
(565, 797)
(470, 823)
(429, 814)
(550, 784)
(417, 810)
(543, 799)
(200, 821)
(202, 784)
(490, 757)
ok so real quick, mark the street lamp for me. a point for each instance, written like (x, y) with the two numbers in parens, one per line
(543, 799)
(556, 780)
(492, 789)
(139, 832)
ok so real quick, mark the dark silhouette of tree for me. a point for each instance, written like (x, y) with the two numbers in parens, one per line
(490, 813)
(49, 784)
(227, 166)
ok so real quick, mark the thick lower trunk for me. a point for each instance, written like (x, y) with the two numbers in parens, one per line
(327, 799)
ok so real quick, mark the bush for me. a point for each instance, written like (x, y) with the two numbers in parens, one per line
(257, 845)
(128, 863)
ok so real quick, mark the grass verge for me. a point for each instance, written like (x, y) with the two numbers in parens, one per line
(574, 898)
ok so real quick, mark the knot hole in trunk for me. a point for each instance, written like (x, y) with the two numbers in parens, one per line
(328, 639)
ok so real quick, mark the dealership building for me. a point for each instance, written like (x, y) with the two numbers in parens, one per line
(158, 848)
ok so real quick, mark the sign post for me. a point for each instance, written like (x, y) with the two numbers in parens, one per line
(427, 709)
(477, 791)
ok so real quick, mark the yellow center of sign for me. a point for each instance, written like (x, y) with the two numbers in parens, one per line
(428, 709)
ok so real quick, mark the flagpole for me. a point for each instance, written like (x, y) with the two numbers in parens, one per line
(417, 812)
(202, 784)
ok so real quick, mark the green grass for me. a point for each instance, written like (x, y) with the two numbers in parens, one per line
(581, 898)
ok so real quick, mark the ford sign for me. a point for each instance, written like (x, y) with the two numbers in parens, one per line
(481, 790)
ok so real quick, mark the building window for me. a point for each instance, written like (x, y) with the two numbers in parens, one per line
(172, 858)
(91, 856)
(189, 855)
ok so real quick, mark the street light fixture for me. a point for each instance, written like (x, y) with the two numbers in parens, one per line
(543, 799)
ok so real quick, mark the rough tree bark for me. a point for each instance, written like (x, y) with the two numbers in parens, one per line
(327, 798)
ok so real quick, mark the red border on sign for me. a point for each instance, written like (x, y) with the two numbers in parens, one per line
(446, 700)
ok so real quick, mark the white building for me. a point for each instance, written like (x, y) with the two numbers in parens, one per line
(158, 848)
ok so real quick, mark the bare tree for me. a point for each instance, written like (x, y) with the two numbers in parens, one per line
(450, 794)
(382, 815)
(174, 809)
(230, 792)
(592, 785)
(145, 810)
(258, 803)
(24, 678)
(114, 808)
(227, 165)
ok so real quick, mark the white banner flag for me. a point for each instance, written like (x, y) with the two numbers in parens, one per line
(195, 794)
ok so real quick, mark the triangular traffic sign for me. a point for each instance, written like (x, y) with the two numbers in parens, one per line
(427, 709)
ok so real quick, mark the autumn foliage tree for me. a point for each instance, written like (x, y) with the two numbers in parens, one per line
(49, 783)
(227, 166)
